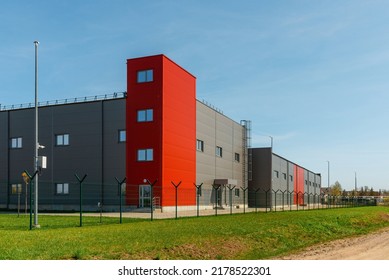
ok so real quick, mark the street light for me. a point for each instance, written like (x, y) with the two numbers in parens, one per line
(36, 43)
(328, 163)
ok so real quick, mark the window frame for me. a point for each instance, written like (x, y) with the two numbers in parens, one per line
(199, 145)
(147, 117)
(63, 136)
(237, 192)
(16, 189)
(120, 134)
(237, 157)
(65, 188)
(219, 151)
(145, 76)
(16, 142)
(147, 156)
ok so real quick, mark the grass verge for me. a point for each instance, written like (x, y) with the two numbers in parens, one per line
(239, 236)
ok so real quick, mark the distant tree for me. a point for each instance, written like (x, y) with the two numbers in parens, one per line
(336, 189)
(372, 192)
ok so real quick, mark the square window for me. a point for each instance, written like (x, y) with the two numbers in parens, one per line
(145, 115)
(145, 76)
(145, 155)
(62, 188)
(284, 175)
(276, 174)
(62, 140)
(200, 145)
(16, 143)
(237, 192)
(16, 188)
(122, 136)
(237, 157)
(219, 151)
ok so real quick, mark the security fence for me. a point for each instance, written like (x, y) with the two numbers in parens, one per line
(150, 200)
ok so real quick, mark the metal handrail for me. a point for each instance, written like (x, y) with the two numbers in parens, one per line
(114, 95)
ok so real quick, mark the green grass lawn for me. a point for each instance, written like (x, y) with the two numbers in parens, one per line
(239, 236)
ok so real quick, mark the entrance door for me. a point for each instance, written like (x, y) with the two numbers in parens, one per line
(218, 196)
(144, 196)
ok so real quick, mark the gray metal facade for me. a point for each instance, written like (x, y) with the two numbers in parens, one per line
(217, 130)
(93, 149)
(273, 180)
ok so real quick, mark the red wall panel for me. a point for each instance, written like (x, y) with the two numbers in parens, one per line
(171, 134)
(298, 185)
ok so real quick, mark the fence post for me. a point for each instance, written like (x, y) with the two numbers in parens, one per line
(216, 188)
(31, 182)
(198, 189)
(255, 200)
(80, 181)
(152, 195)
(283, 200)
(176, 187)
(120, 183)
(244, 199)
(231, 189)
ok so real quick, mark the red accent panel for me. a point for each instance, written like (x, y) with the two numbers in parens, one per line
(178, 134)
(171, 134)
(298, 185)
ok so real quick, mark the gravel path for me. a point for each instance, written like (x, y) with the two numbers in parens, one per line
(373, 246)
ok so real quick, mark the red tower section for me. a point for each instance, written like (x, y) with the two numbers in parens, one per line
(161, 130)
(298, 185)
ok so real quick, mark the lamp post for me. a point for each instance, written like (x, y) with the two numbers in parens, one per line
(328, 167)
(36, 43)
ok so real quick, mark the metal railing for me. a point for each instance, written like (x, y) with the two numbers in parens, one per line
(64, 101)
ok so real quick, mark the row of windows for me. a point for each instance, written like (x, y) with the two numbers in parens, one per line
(60, 140)
(60, 188)
(276, 175)
(218, 152)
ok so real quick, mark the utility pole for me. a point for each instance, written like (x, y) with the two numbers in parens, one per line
(36, 225)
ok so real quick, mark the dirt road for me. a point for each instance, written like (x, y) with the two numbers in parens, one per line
(374, 246)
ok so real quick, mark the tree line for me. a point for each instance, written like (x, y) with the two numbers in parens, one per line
(336, 190)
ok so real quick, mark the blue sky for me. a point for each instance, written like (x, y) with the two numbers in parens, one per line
(311, 74)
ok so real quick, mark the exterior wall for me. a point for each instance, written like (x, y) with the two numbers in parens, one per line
(4, 157)
(281, 181)
(178, 120)
(215, 129)
(262, 173)
(93, 150)
(299, 192)
(171, 134)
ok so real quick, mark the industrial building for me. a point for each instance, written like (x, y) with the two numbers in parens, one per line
(157, 135)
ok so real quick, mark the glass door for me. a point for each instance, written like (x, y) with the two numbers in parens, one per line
(144, 196)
